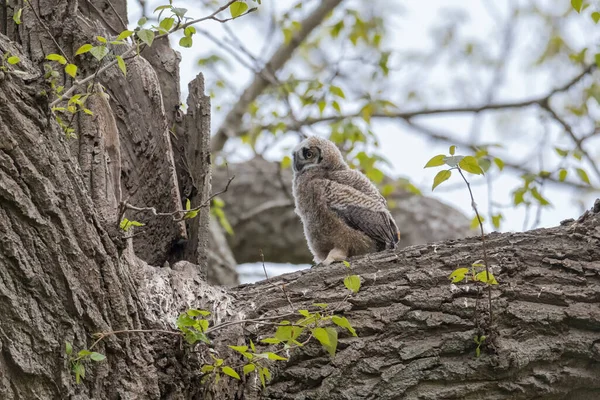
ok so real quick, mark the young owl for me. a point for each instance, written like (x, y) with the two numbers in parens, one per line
(342, 212)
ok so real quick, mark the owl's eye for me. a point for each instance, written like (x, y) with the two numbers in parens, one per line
(308, 154)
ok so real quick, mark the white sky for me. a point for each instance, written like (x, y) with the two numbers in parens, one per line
(409, 151)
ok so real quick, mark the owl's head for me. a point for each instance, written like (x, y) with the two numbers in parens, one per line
(316, 152)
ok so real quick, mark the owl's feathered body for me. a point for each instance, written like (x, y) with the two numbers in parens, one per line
(342, 212)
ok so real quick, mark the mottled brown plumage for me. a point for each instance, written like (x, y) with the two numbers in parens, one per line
(342, 212)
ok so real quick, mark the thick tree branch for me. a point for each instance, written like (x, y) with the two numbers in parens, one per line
(233, 120)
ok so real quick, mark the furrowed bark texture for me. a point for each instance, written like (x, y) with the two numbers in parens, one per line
(415, 329)
(260, 208)
(67, 272)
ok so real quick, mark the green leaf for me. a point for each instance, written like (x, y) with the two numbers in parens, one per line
(101, 39)
(538, 196)
(271, 341)
(146, 36)
(194, 313)
(483, 277)
(286, 162)
(189, 31)
(577, 154)
(577, 5)
(499, 163)
(321, 305)
(475, 222)
(179, 11)
(562, 175)
(322, 336)
(344, 323)
(304, 313)
(124, 35)
(68, 348)
(352, 282)
(167, 23)
(71, 69)
(229, 371)
(441, 177)
(496, 220)
(333, 340)
(597, 59)
(561, 152)
(240, 349)
(84, 353)
(56, 57)
(79, 370)
(207, 368)
(97, 356)
(13, 60)
(596, 16)
(186, 42)
(83, 49)
(248, 368)
(238, 8)
(142, 21)
(336, 106)
(322, 104)
(470, 165)
(267, 373)
(17, 16)
(583, 175)
(273, 356)
(99, 52)
(452, 150)
(188, 204)
(337, 91)
(346, 263)
(458, 275)
(121, 64)
(261, 375)
(436, 161)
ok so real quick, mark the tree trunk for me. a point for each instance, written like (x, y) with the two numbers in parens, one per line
(66, 270)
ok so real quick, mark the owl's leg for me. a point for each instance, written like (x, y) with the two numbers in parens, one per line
(334, 255)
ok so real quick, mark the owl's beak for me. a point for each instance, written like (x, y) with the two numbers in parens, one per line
(297, 164)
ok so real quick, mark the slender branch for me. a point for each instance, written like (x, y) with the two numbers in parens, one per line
(578, 142)
(233, 120)
(406, 115)
(262, 257)
(177, 215)
(485, 257)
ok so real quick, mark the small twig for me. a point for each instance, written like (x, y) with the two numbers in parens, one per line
(244, 321)
(262, 257)
(103, 335)
(173, 214)
(485, 258)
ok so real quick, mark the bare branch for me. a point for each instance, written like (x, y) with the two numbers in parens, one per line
(177, 215)
(233, 120)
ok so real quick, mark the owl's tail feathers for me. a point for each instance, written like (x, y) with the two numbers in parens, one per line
(394, 243)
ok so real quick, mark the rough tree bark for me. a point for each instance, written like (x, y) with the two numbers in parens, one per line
(67, 272)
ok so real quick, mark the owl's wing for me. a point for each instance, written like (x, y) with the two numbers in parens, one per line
(364, 212)
(358, 181)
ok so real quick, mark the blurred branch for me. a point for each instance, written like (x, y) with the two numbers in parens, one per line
(578, 142)
(233, 120)
(540, 101)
